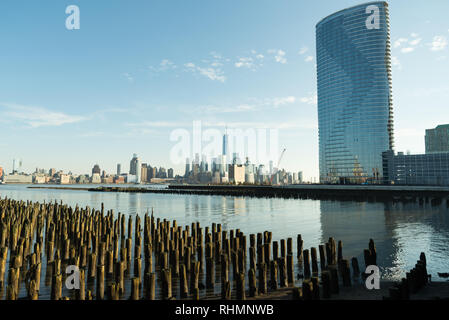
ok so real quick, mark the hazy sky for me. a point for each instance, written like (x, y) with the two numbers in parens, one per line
(137, 70)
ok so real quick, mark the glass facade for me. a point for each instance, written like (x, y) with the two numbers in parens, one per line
(355, 111)
(437, 140)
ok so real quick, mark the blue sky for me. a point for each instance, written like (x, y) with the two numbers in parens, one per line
(135, 71)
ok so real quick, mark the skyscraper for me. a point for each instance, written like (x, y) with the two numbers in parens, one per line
(225, 144)
(52, 172)
(437, 140)
(355, 111)
(138, 171)
(96, 169)
(119, 169)
(133, 165)
(144, 172)
(186, 174)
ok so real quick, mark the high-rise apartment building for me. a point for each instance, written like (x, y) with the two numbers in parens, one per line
(133, 164)
(96, 170)
(144, 173)
(187, 171)
(437, 139)
(355, 111)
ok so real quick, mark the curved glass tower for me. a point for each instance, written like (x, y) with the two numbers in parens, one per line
(355, 111)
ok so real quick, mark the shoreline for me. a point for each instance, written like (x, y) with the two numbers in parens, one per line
(422, 195)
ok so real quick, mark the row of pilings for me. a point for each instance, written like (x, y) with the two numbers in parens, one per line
(54, 251)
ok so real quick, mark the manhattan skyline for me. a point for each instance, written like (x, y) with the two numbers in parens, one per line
(133, 74)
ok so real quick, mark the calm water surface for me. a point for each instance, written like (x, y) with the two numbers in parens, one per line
(400, 231)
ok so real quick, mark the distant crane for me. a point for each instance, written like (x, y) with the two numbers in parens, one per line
(277, 168)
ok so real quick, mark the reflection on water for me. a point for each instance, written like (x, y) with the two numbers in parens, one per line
(400, 231)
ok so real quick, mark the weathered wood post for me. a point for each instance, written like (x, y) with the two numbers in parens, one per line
(290, 270)
(241, 287)
(210, 273)
(262, 278)
(166, 284)
(56, 287)
(307, 289)
(334, 279)
(100, 282)
(274, 275)
(252, 283)
(299, 247)
(325, 280)
(313, 254)
(150, 286)
(135, 286)
(306, 263)
(183, 286)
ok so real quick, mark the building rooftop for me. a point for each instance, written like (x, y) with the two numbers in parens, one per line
(353, 7)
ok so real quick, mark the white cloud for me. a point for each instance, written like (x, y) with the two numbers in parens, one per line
(303, 50)
(252, 62)
(415, 42)
(277, 102)
(128, 76)
(280, 57)
(167, 64)
(407, 50)
(399, 42)
(439, 43)
(312, 99)
(211, 73)
(245, 62)
(406, 44)
(164, 65)
(308, 59)
(36, 117)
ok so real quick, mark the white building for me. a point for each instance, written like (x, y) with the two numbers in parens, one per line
(96, 178)
(236, 173)
(18, 178)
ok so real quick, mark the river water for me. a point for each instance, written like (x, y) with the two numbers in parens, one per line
(400, 231)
